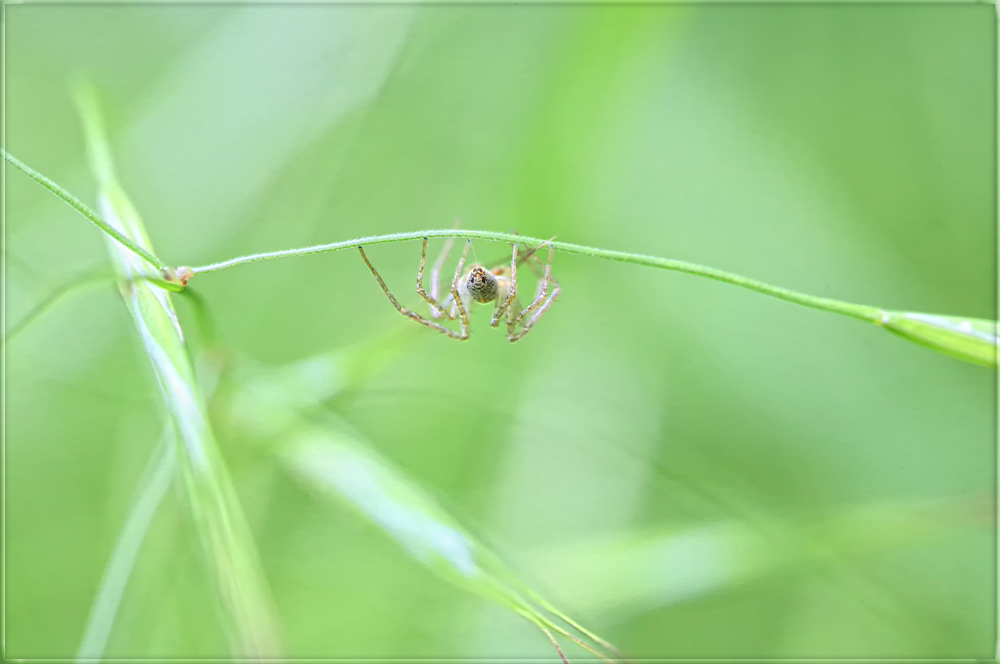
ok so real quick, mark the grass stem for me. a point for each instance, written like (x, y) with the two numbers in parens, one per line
(80, 207)
(862, 312)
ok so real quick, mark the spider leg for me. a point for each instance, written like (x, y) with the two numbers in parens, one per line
(436, 309)
(406, 312)
(530, 258)
(530, 262)
(542, 303)
(538, 314)
(438, 264)
(542, 291)
(502, 308)
(460, 305)
(436, 272)
(512, 319)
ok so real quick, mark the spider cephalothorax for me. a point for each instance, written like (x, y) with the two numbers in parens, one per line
(479, 285)
(482, 285)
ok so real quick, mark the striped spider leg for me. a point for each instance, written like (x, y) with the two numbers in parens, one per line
(437, 310)
(543, 299)
(462, 313)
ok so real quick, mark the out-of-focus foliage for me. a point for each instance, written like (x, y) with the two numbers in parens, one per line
(689, 469)
(337, 463)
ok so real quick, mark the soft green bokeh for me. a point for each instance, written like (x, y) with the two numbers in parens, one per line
(689, 469)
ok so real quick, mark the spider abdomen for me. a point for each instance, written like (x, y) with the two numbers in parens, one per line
(481, 284)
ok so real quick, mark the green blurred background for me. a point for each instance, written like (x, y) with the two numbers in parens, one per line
(689, 469)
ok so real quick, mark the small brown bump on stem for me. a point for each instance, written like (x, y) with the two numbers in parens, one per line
(179, 275)
(184, 274)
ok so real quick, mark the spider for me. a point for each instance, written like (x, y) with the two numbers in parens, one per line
(483, 286)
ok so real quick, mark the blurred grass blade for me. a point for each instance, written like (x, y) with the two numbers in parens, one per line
(269, 402)
(970, 339)
(81, 282)
(337, 463)
(226, 541)
(152, 488)
(636, 572)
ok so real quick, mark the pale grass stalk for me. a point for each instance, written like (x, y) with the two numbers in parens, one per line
(152, 488)
(227, 544)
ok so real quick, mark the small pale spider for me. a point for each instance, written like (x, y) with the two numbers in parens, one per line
(479, 285)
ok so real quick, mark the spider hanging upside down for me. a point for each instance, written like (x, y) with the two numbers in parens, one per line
(481, 285)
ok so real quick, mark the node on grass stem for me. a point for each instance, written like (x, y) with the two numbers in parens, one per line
(179, 275)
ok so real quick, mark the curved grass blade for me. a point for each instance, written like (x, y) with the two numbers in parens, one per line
(970, 339)
(80, 283)
(638, 572)
(152, 488)
(226, 542)
(338, 464)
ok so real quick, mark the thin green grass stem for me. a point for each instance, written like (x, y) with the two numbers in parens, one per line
(80, 207)
(970, 339)
(862, 312)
